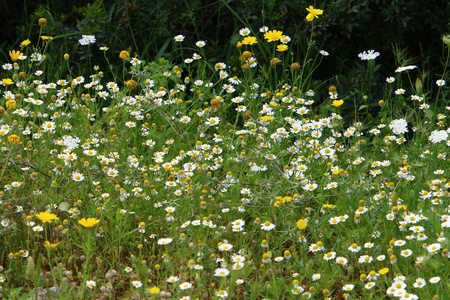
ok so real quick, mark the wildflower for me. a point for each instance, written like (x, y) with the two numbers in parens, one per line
(179, 38)
(165, 241)
(185, 286)
(399, 126)
(225, 247)
(136, 283)
(249, 40)
(323, 53)
(200, 44)
(13, 139)
(369, 55)
(295, 66)
(90, 284)
(42, 22)
(124, 54)
(222, 294)
(213, 121)
(273, 35)
(7, 81)
(420, 283)
(87, 40)
(440, 82)
(38, 228)
(77, 176)
(302, 224)
(267, 226)
(337, 103)
(348, 287)
(437, 136)
(341, 261)
(46, 217)
(128, 269)
(47, 244)
(282, 48)
(313, 13)
(154, 290)
(89, 222)
(15, 55)
(25, 43)
(435, 279)
(390, 79)
(244, 31)
(221, 272)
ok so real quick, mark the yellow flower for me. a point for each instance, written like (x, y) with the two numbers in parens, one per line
(131, 84)
(313, 13)
(15, 55)
(13, 139)
(154, 290)
(282, 48)
(11, 104)
(124, 54)
(25, 43)
(301, 224)
(44, 37)
(89, 222)
(384, 271)
(42, 22)
(46, 217)
(337, 103)
(249, 40)
(273, 35)
(7, 81)
(47, 244)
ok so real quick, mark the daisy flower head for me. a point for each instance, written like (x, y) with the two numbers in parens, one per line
(213, 121)
(273, 35)
(440, 82)
(267, 226)
(200, 44)
(323, 53)
(221, 272)
(77, 176)
(264, 29)
(90, 284)
(185, 286)
(390, 79)
(179, 38)
(244, 31)
(136, 283)
(164, 241)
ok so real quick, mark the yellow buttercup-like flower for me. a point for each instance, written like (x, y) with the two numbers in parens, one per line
(273, 35)
(15, 55)
(89, 222)
(46, 217)
(337, 103)
(282, 48)
(313, 13)
(249, 40)
(124, 54)
(301, 224)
